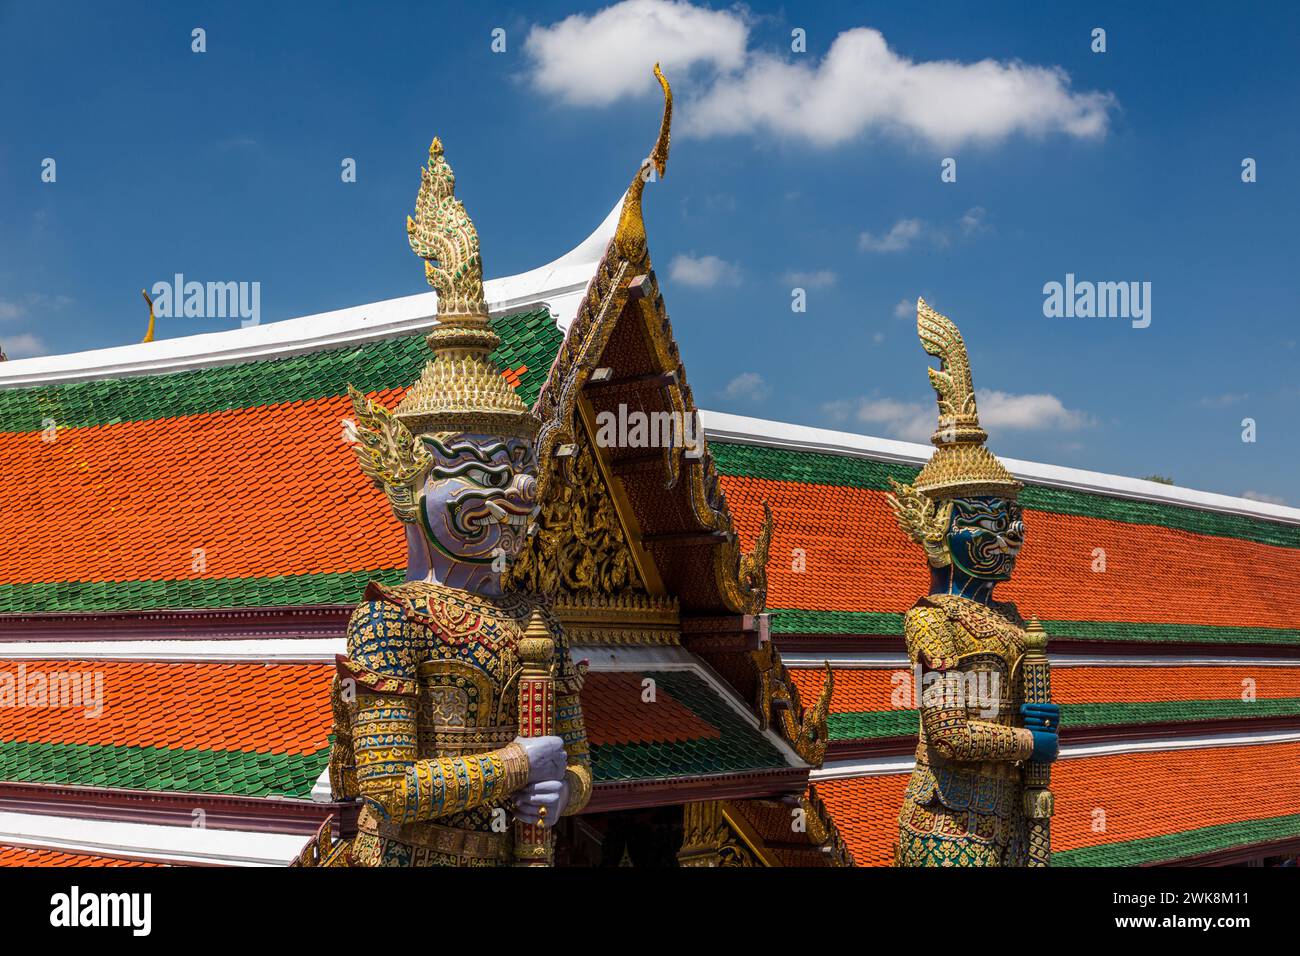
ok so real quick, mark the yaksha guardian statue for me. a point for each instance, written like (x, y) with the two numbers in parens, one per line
(985, 722)
(426, 701)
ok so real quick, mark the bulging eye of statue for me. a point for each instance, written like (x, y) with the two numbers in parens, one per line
(490, 478)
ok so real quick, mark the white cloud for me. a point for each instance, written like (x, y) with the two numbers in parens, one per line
(23, 345)
(747, 386)
(820, 279)
(1026, 412)
(910, 421)
(36, 301)
(916, 421)
(901, 235)
(703, 272)
(1260, 496)
(862, 86)
(594, 60)
(1223, 401)
(972, 221)
(907, 232)
(905, 309)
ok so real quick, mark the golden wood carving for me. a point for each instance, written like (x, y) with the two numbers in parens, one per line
(702, 834)
(822, 829)
(805, 731)
(630, 236)
(628, 619)
(578, 547)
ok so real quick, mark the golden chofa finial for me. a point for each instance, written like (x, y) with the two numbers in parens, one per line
(444, 237)
(148, 335)
(630, 235)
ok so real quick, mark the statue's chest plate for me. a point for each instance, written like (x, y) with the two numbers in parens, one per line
(468, 672)
(988, 646)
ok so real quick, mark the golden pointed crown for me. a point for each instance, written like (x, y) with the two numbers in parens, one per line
(460, 389)
(961, 465)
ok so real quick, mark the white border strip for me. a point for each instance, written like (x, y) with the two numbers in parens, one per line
(602, 657)
(150, 841)
(886, 766)
(274, 650)
(850, 660)
(559, 286)
(722, 427)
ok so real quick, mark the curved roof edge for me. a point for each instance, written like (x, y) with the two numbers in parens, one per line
(720, 426)
(558, 286)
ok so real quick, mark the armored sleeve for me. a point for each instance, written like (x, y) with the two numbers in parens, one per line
(948, 729)
(400, 787)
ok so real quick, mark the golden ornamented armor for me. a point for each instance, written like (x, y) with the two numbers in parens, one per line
(963, 803)
(427, 741)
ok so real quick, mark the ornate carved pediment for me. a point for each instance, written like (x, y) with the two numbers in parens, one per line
(579, 546)
(678, 536)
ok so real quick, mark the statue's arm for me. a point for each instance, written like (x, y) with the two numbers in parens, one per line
(948, 729)
(392, 781)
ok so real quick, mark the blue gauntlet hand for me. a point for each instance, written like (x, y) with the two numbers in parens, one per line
(1043, 720)
(1041, 716)
(1046, 746)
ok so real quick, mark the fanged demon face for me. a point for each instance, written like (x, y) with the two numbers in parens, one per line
(984, 536)
(479, 497)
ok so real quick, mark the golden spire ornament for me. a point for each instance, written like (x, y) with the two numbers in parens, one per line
(148, 335)
(961, 465)
(460, 389)
(630, 234)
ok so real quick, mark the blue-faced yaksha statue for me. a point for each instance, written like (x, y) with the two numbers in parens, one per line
(426, 701)
(983, 728)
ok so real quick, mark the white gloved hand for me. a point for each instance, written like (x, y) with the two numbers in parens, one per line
(551, 794)
(546, 758)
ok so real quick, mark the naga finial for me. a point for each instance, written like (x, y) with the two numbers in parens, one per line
(960, 465)
(959, 419)
(443, 233)
(630, 234)
(460, 389)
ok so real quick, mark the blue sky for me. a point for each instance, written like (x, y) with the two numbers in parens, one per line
(819, 169)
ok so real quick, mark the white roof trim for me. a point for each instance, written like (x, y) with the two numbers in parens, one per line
(722, 427)
(558, 286)
(885, 660)
(257, 651)
(885, 766)
(321, 791)
(183, 845)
